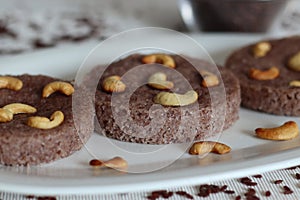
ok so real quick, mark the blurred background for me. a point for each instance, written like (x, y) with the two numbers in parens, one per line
(31, 24)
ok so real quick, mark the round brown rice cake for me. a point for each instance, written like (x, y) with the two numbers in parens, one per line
(276, 95)
(137, 120)
(21, 144)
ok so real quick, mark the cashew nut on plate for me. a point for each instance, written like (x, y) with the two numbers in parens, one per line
(115, 163)
(209, 146)
(287, 131)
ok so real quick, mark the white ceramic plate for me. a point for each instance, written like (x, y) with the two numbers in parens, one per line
(73, 175)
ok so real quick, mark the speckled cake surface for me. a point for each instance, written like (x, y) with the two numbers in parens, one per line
(129, 120)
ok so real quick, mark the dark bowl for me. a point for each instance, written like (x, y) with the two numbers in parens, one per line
(230, 15)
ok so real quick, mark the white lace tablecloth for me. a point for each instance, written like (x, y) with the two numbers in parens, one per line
(274, 183)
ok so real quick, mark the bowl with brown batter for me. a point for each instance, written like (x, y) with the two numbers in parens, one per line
(231, 15)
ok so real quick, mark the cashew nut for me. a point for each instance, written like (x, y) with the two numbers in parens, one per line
(10, 83)
(209, 146)
(115, 163)
(7, 112)
(294, 83)
(173, 99)
(113, 84)
(17, 108)
(287, 131)
(5, 115)
(44, 123)
(63, 87)
(261, 49)
(268, 74)
(159, 81)
(294, 62)
(159, 58)
(209, 79)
